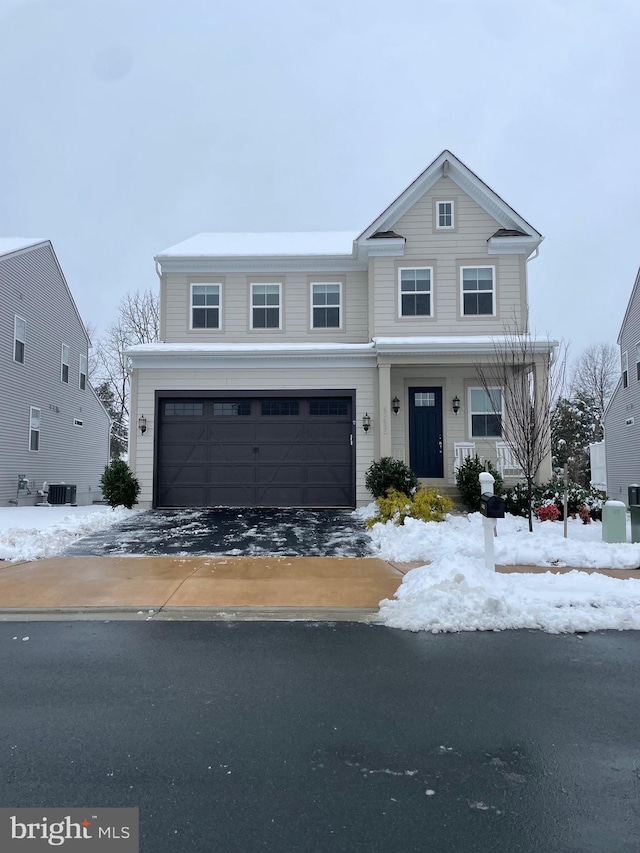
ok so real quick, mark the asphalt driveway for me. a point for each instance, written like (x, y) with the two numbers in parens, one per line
(231, 532)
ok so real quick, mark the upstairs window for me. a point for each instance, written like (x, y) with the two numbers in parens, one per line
(415, 292)
(625, 370)
(638, 362)
(82, 384)
(265, 306)
(19, 336)
(478, 291)
(64, 366)
(326, 305)
(445, 214)
(205, 306)
(34, 429)
(485, 410)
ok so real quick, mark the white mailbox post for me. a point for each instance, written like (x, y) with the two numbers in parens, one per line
(488, 524)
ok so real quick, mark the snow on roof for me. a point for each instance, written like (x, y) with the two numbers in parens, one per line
(260, 244)
(14, 244)
(254, 349)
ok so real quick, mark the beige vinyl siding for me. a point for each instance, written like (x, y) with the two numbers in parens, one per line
(236, 307)
(446, 251)
(260, 380)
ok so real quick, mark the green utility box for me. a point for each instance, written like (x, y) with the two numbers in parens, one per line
(614, 522)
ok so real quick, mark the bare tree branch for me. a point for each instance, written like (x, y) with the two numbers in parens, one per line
(596, 373)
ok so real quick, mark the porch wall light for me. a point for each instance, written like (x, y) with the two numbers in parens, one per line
(455, 405)
(366, 422)
(142, 424)
(395, 405)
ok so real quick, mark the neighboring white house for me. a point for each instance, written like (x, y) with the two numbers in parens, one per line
(54, 428)
(622, 415)
(288, 362)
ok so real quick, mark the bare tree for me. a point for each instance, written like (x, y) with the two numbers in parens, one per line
(520, 379)
(137, 322)
(596, 374)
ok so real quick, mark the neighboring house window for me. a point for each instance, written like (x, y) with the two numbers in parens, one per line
(265, 306)
(445, 214)
(64, 369)
(415, 292)
(326, 305)
(83, 372)
(486, 412)
(19, 336)
(478, 290)
(625, 370)
(34, 428)
(77, 422)
(638, 362)
(205, 306)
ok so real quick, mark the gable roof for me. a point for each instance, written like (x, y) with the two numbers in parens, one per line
(447, 164)
(634, 289)
(8, 245)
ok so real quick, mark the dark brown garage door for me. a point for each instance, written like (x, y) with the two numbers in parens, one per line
(264, 451)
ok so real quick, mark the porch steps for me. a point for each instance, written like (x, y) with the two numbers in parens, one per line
(448, 491)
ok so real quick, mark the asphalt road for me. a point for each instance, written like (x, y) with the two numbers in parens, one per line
(327, 737)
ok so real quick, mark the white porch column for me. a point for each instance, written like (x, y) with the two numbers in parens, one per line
(541, 397)
(384, 409)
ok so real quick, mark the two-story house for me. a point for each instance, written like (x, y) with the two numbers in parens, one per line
(289, 362)
(54, 428)
(622, 416)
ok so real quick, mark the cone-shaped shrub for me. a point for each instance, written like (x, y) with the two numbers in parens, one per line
(119, 486)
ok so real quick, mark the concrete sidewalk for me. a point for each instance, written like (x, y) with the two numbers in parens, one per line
(199, 587)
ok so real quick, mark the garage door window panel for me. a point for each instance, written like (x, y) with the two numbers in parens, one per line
(239, 408)
(329, 408)
(279, 408)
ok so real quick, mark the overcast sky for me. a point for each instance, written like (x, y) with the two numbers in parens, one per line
(129, 125)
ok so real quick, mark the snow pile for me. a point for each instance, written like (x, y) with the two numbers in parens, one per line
(463, 595)
(30, 533)
(461, 537)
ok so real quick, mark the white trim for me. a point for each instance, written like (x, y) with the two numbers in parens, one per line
(493, 289)
(471, 412)
(313, 284)
(64, 363)
(193, 328)
(215, 266)
(523, 245)
(399, 292)
(82, 372)
(33, 409)
(16, 339)
(77, 422)
(453, 219)
(253, 284)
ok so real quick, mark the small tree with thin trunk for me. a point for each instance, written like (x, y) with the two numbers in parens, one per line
(521, 369)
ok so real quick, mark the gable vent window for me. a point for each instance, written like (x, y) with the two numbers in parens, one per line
(445, 214)
(625, 370)
(64, 368)
(19, 336)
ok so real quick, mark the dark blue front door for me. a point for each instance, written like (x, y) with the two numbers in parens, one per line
(425, 431)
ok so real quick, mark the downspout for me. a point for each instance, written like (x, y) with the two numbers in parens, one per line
(531, 257)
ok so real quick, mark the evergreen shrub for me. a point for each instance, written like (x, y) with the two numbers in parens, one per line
(468, 481)
(425, 504)
(388, 473)
(119, 486)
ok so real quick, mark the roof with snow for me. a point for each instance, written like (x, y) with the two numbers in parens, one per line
(14, 244)
(263, 244)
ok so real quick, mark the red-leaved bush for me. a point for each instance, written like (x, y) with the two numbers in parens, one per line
(585, 515)
(550, 512)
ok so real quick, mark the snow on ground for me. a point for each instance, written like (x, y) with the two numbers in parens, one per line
(29, 533)
(456, 592)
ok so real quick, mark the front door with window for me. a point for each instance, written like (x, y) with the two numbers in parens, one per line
(425, 431)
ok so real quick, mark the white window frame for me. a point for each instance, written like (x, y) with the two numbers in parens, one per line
(193, 328)
(77, 422)
(17, 340)
(312, 306)
(625, 369)
(431, 293)
(453, 221)
(64, 363)
(493, 288)
(472, 412)
(638, 361)
(32, 429)
(82, 373)
(255, 284)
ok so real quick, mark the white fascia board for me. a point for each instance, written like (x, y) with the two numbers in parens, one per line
(393, 247)
(343, 263)
(512, 245)
(479, 345)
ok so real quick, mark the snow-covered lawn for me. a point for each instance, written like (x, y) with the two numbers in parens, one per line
(456, 592)
(29, 533)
